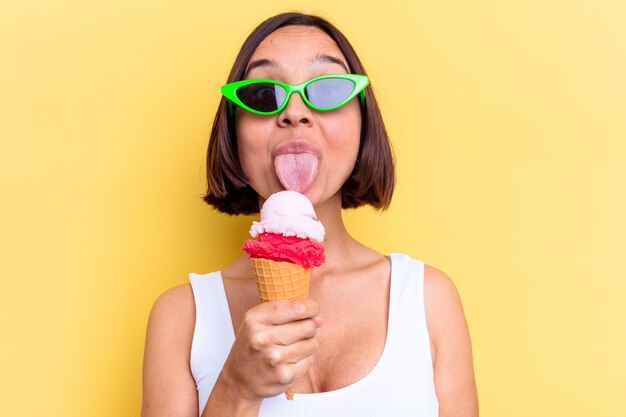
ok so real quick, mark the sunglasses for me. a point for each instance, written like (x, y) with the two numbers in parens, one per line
(266, 97)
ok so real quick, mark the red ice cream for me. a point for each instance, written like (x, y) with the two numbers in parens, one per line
(305, 252)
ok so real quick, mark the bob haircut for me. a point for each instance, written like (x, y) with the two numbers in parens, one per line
(372, 179)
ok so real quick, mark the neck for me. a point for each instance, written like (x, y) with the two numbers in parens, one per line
(338, 244)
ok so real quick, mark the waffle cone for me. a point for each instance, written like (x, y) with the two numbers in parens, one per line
(281, 281)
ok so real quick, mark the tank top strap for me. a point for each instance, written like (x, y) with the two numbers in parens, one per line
(407, 285)
(213, 334)
(407, 314)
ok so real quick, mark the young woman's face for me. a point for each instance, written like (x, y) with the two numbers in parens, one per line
(323, 144)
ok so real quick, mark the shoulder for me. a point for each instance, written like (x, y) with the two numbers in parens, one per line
(439, 289)
(442, 303)
(450, 346)
(173, 316)
(438, 286)
(168, 386)
(175, 303)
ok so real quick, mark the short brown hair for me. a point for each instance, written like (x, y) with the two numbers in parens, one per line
(372, 180)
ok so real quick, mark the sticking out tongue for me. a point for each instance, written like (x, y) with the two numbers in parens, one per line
(296, 171)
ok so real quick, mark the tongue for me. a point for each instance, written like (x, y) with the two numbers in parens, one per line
(296, 171)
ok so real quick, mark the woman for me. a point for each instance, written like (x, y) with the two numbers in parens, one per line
(379, 335)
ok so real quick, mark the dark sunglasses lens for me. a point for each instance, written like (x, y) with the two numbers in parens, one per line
(265, 97)
(329, 92)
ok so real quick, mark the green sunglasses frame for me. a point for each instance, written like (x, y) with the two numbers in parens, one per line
(230, 92)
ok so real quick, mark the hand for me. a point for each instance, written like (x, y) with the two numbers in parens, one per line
(275, 344)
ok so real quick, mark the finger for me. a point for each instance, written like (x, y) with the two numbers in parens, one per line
(301, 367)
(285, 373)
(302, 350)
(318, 321)
(285, 311)
(270, 340)
(287, 334)
(279, 356)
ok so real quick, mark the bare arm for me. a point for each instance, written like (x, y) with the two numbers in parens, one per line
(169, 389)
(452, 351)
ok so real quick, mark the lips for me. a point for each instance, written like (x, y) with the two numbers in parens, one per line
(295, 147)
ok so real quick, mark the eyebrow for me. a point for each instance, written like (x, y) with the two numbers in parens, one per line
(319, 58)
(330, 59)
(265, 62)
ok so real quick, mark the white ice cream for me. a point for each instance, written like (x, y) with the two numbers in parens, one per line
(289, 213)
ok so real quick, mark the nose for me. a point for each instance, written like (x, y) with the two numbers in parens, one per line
(296, 112)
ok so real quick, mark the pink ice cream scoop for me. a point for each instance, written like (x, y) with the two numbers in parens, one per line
(288, 231)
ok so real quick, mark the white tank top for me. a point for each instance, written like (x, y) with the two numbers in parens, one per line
(400, 384)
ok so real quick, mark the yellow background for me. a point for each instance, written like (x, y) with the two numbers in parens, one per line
(508, 119)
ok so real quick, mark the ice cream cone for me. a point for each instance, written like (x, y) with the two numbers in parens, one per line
(281, 281)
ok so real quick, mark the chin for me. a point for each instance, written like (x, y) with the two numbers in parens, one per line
(319, 198)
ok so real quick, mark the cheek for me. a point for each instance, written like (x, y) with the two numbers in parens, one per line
(347, 134)
(250, 143)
